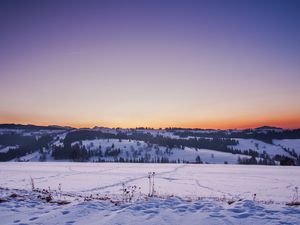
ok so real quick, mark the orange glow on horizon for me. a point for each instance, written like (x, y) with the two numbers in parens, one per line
(238, 124)
(217, 121)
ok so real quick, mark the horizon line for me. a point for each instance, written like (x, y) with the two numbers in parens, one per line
(150, 127)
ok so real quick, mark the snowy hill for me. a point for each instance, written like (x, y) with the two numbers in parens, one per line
(264, 145)
(260, 147)
(291, 144)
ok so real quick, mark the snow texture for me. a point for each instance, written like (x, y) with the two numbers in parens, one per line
(292, 144)
(184, 194)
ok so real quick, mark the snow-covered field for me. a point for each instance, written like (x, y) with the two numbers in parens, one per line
(185, 194)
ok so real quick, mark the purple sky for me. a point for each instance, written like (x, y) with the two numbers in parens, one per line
(150, 63)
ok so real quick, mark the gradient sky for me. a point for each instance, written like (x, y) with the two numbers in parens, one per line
(208, 64)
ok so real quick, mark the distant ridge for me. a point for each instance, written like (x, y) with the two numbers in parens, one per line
(33, 127)
(57, 127)
(268, 128)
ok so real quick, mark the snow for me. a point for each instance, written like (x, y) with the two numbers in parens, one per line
(32, 157)
(58, 142)
(9, 131)
(259, 146)
(7, 148)
(185, 194)
(206, 155)
(187, 154)
(156, 132)
(124, 144)
(183, 180)
(289, 143)
(154, 211)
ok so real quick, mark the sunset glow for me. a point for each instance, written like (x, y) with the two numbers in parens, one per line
(197, 64)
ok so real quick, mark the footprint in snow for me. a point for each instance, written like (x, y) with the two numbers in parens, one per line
(237, 210)
(242, 215)
(218, 215)
(198, 206)
(31, 205)
(149, 211)
(14, 210)
(33, 218)
(65, 212)
(271, 212)
(137, 208)
(181, 209)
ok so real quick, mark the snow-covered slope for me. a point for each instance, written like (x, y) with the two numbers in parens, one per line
(206, 156)
(132, 148)
(32, 157)
(5, 149)
(291, 144)
(259, 146)
(213, 146)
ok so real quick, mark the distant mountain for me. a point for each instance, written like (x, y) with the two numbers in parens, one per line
(56, 127)
(268, 128)
(33, 127)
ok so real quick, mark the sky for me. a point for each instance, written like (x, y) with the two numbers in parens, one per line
(199, 64)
